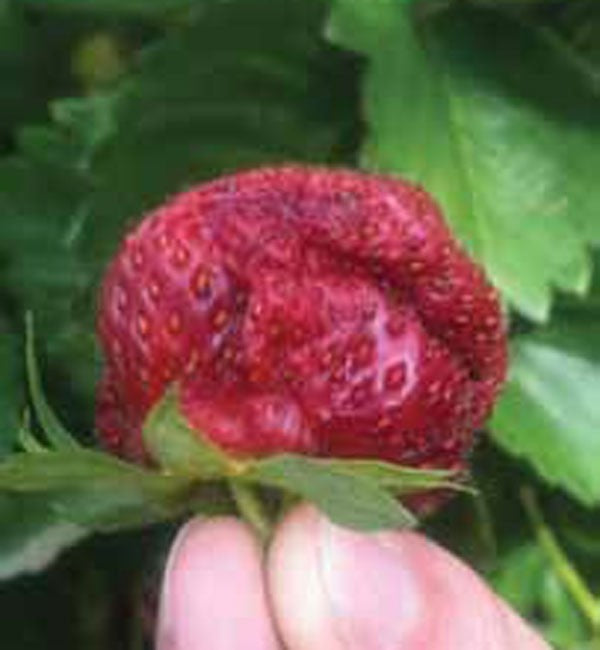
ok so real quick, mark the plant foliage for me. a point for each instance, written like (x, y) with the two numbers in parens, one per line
(107, 107)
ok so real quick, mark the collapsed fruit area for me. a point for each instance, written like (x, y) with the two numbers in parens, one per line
(302, 310)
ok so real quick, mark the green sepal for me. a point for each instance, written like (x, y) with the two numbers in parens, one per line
(347, 499)
(360, 494)
(178, 448)
(94, 489)
(57, 434)
(399, 479)
(100, 492)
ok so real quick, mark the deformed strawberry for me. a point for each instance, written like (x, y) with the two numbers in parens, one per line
(309, 310)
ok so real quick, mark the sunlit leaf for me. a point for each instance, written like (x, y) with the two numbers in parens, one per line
(512, 159)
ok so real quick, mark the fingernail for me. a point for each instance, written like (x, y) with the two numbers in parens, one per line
(213, 593)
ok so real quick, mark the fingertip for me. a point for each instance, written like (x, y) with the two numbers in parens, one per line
(298, 601)
(337, 589)
(213, 593)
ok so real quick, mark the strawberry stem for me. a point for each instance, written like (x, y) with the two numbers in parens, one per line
(250, 508)
(565, 571)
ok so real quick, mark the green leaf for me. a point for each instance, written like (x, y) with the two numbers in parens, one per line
(549, 413)
(39, 201)
(27, 440)
(577, 526)
(95, 490)
(246, 83)
(349, 500)
(520, 575)
(19, 92)
(32, 535)
(35, 63)
(43, 269)
(578, 24)
(177, 447)
(57, 434)
(565, 623)
(512, 159)
(116, 6)
(527, 581)
(11, 394)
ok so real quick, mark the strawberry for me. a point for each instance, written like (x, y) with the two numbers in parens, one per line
(317, 311)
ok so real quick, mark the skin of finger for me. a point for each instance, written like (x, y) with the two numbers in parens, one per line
(214, 593)
(335, 589)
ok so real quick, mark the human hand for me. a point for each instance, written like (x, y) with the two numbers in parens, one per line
(326, 588)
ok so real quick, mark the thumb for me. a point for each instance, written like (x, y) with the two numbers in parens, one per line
(335, 589)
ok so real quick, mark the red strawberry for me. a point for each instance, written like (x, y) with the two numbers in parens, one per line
(325, 312)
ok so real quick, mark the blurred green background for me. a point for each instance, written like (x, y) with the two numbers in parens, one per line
(108, 106)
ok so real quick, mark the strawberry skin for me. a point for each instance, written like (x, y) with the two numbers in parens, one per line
(308, 310)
